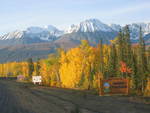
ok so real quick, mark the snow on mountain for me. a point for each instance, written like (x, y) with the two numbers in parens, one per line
(34, 30)
(54, 31)
(145, 27)
(51, 33)
(12, 35)
(135, 27)
(50, 29)
(115, 27)
(72, 28)
(47, 33)
(90, 25)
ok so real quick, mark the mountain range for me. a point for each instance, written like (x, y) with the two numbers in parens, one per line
(39, 41)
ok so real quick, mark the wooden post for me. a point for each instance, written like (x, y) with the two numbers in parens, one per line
(128, 85)
(101, 87)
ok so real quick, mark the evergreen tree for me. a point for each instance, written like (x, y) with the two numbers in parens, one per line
(148, 59)
(30, 67)
(101, 57)
(124, 49)
(127, 46)
(120, 46)
(38, 66)
(135, 76)
(121, 51)
(142, 51)
(142, 63)
(112, 61)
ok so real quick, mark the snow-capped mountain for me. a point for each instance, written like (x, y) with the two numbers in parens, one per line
(36, 34)
(115, 27)
(90, 29)
(13, 35)
(54, 31)
(90, 25)
(135, 27)
(34, 30)
(48, 33)
(38, 42)
(50, 29)
(93, 25)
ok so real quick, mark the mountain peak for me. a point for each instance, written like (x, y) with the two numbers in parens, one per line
(43, 33)
(93, 20)
(89, 25)
(53, 30)
(34, 30)
(115, 27)
(50, 28)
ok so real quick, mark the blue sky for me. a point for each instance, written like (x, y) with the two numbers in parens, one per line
(20, 14)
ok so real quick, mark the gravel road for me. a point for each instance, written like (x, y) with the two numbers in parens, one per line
(26, 98)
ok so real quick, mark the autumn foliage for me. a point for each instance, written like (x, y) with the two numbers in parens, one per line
(124, 68)
(82, 67)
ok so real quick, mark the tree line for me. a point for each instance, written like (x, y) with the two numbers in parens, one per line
(82, 67)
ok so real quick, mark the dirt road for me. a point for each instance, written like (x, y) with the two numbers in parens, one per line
(26, 98)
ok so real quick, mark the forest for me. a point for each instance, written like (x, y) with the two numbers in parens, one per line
(82, 67)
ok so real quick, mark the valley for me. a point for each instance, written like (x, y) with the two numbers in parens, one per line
(74, 56)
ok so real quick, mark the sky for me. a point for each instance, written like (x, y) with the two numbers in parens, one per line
(20, 14)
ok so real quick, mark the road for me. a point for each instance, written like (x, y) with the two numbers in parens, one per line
(26, 98)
